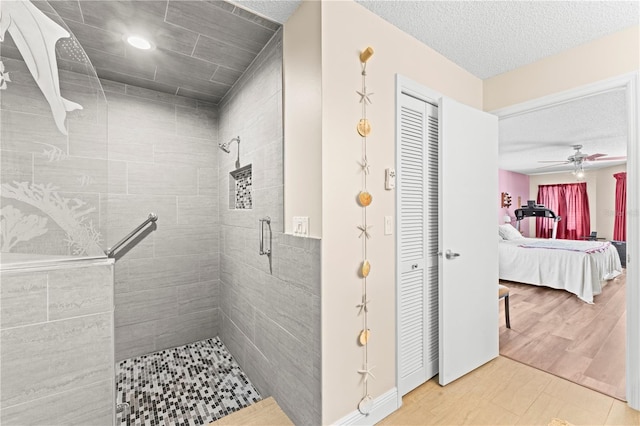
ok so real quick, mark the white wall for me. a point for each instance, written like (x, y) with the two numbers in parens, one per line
(303, 118)
(597, 60)
(347, 29)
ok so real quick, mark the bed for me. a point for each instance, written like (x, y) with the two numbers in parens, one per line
(579, 267)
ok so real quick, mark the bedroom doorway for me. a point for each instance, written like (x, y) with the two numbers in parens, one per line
(616, 293)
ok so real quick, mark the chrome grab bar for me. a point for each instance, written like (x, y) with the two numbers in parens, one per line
(152, 218)
(265, 221)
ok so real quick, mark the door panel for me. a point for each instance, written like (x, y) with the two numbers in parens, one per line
(417, 283)
(468, 299)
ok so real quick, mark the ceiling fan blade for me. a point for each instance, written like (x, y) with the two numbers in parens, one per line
(594, 156)
(551, 161)
(611, 158)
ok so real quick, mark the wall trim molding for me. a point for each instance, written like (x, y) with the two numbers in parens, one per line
(383, 405)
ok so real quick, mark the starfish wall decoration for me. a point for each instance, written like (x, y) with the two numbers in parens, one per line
(364, 230)
(366, 372)
(365, 166)
(364, 96)
(364, 306)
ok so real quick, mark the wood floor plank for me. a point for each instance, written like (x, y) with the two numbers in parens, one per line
(555, 331)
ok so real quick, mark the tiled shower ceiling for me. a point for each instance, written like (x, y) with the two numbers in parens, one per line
(202, 47)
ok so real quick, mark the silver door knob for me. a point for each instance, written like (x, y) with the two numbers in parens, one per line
(451, 255)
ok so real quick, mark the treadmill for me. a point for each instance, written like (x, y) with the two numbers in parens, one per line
(537, 210)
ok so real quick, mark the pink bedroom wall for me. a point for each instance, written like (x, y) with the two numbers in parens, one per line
(517, 185)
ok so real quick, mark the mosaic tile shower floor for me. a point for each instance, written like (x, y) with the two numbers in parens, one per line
(193, 384)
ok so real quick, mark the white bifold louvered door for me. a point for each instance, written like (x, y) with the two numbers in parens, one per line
(417, 228)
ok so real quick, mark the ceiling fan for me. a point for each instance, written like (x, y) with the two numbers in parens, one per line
(579, 158)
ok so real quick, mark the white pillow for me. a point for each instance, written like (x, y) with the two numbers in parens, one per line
(500, 239)
(508, 232)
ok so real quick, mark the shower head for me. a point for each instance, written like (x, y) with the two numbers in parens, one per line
(225, 146)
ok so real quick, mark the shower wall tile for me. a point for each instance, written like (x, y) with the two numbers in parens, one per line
(147, 305)
(168, 145)
(207, 182)
(194, 210)
(130, 151)
(187, 328)
(186, 239)
(197, 297)
(234, 339)
(23, 299)
(88, 139)
(46, 359)
(154, 95)
(239, 310)
(209, 266)
(200, 122)
(154, 273)
(135, 339)
(15, 166)
(80, 291)
(90, 405)
(161, 179)
(17, 132)
(130, 210)
(117, 171)
(185, 151)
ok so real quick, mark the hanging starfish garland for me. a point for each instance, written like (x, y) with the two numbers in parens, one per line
(364, 306)
(364, 230)
(364, 96)
(364, 166)
(366, 372)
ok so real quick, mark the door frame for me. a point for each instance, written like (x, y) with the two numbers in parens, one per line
(630, 84)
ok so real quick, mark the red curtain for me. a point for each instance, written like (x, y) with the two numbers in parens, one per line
(571, 203)
(620, 224)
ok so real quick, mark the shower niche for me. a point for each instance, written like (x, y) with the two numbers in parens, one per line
(240, 188)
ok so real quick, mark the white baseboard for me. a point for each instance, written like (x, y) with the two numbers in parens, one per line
(383, 405)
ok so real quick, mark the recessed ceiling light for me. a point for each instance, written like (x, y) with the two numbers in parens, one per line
(139, 42)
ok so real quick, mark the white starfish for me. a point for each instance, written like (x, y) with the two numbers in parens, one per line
(364, 96)
(364, 166)
(364, 230)
(366, 371)
(363, 306)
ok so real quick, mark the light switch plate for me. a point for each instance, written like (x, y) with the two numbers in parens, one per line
(301, 226)
(388, 225)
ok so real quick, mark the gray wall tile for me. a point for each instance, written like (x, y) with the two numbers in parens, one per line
(80, 291)
(159, 272)
(23, 298)
(147, 305)
(187, 328)
(45, 359)
(135, 339)
(90, 405)
(197, 297)
(186, 239)
(161, 179)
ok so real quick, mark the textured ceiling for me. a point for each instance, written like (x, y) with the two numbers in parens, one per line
(598, 123)
(491, 37)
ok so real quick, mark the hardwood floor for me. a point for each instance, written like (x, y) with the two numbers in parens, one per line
(556, 332)
(506, 392)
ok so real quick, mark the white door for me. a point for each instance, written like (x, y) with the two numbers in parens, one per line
(468, 266)
(417, 231)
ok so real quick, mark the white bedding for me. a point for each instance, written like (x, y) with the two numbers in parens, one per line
(576, 272)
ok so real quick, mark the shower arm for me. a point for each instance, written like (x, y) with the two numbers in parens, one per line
(151, 218)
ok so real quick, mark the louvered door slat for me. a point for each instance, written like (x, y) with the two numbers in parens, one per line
(417, 332)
